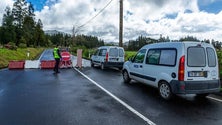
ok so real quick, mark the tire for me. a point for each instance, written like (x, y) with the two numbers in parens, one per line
(165, 90)
(120, 68)
(102, 66)
(126, 77)
(92, 64)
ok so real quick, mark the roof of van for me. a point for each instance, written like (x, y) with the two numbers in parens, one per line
(174, 44)
(110, 47)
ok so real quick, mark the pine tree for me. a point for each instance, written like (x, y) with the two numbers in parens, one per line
(19, 13)
(8, 29)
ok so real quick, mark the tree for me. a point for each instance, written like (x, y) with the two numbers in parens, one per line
(39, 36)
(19, 12)
(189, 38)
(75, 30)
(135, 45)
(8, 29)
(29, 26)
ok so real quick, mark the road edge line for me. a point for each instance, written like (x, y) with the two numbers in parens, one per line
(118, 99)
(215, 99)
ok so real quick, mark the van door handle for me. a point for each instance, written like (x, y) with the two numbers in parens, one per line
(141, 66)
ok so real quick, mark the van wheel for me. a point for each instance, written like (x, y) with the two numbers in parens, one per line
(165, 90)
(92, 65)
(102, 66)
(126, 77)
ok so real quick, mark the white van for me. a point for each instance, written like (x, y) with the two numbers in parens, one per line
(108, 56)
(175, 68)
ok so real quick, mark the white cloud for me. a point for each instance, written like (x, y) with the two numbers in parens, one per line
(3, 5)
(173, 18)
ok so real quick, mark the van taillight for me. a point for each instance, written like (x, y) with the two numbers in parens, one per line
(181, 69)
(107, 56)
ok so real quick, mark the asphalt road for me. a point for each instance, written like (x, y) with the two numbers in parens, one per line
(91, 96)
(38, 97)
(182, 110)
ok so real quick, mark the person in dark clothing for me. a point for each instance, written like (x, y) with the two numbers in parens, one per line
(57, 57)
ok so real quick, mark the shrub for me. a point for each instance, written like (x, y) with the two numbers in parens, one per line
(22, 45)
(11, 46)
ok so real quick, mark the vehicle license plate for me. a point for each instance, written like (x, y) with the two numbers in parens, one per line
(196, 74)
(113, 59)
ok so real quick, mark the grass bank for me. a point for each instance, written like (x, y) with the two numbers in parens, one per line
(17, 55)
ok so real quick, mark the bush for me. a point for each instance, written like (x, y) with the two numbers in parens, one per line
(22, 45)
(11, 46)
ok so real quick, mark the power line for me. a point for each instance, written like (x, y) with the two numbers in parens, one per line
(96, 14)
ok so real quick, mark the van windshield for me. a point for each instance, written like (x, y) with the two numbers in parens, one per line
(196, 57)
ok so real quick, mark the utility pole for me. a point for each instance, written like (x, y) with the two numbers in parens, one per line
(121, 24)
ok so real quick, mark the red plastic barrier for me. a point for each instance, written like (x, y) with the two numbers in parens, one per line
(66, 56)
(65, 64)
(49, 64)
(66, 60)
(16, 64)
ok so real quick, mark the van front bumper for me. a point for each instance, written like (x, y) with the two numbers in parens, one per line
(195, 87)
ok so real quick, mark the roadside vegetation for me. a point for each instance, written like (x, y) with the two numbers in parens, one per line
(18, 55)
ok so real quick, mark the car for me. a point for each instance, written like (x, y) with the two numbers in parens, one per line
(175, 68)
(108, 56)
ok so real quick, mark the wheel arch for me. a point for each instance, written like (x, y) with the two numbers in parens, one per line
(162, 80)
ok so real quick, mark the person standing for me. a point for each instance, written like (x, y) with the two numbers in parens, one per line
(57, 58)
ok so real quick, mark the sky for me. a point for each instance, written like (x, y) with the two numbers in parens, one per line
(151, 18)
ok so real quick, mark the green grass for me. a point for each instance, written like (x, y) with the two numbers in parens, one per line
(129, 54)
(17, 55)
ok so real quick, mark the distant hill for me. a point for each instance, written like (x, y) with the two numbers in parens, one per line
(53, 32)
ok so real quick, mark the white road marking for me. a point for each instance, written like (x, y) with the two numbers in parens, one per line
(119, 100)
(215, 99)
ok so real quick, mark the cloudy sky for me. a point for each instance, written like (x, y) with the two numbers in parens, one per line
(173, 18)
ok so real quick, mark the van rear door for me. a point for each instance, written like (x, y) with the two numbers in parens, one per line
(201, 62)
(116, 54)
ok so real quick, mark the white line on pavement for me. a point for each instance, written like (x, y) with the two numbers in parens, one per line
(215, 99)
(119, 100)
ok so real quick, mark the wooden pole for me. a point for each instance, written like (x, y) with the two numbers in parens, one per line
(121, 24)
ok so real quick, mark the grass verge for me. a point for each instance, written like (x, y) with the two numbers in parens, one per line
(17, 55)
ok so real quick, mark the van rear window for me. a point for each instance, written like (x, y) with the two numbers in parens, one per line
(196, 57)
(211, 57)
(113, 52)
(121, 52)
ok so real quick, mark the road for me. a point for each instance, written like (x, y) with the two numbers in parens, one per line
(96, 97)
(182, 110)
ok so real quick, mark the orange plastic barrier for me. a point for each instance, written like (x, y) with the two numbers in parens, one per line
(16, 64)
(49, 64)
